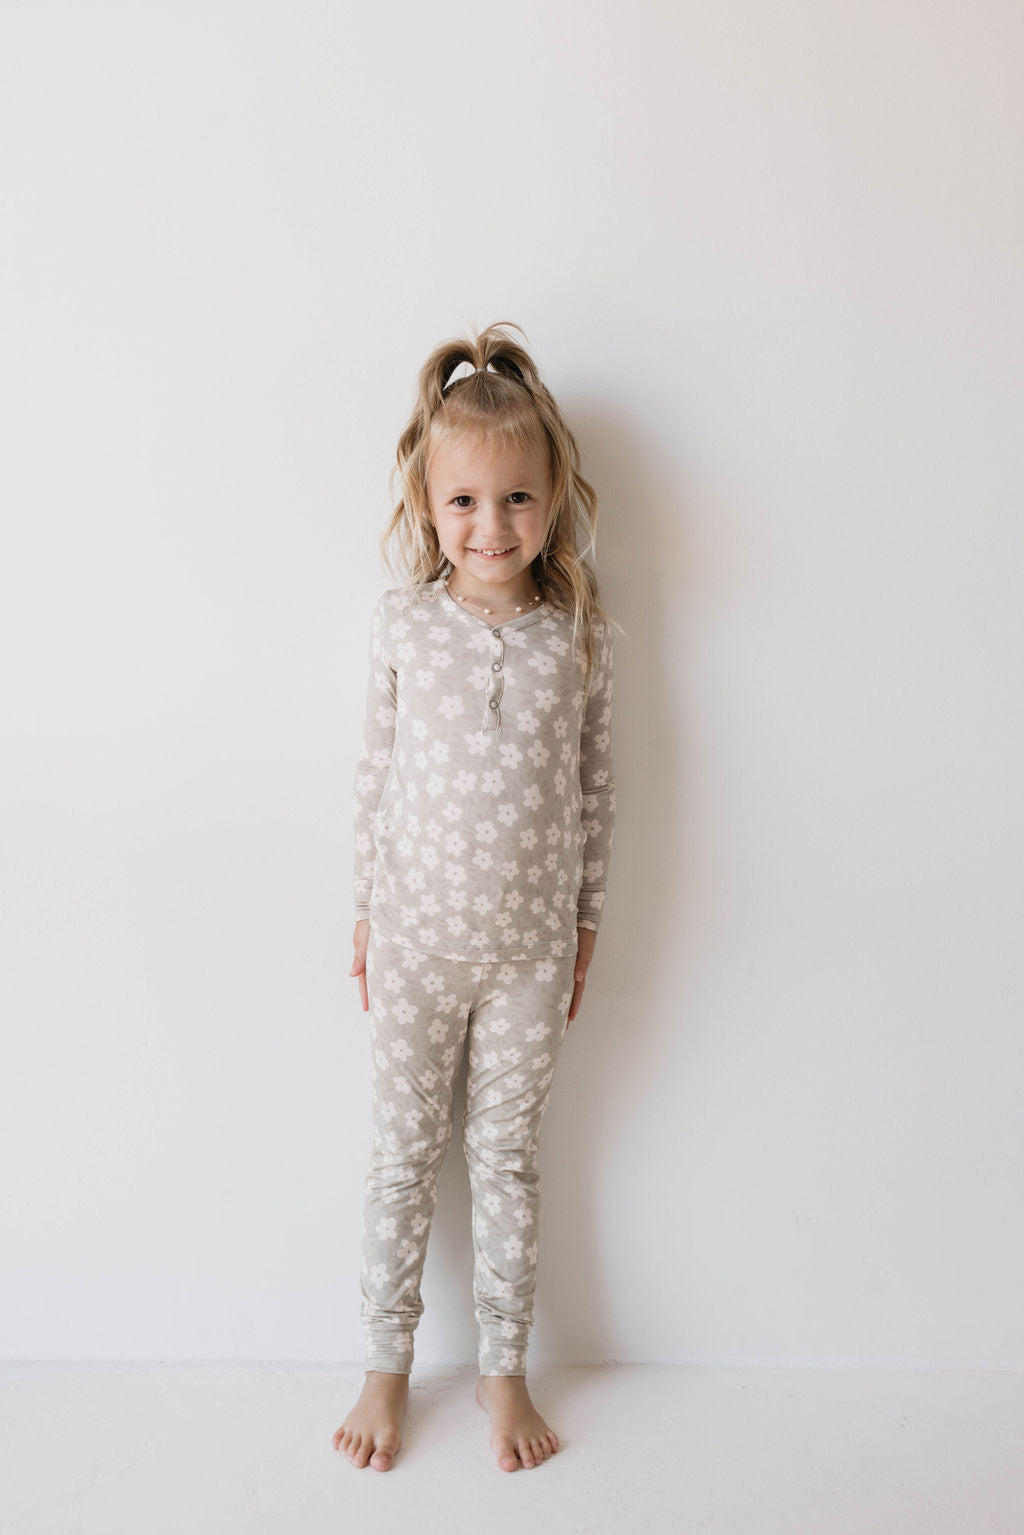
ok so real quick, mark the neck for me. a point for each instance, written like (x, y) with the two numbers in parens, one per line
(495, 602)
(495, 598)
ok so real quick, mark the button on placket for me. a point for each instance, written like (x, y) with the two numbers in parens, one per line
(495, 682)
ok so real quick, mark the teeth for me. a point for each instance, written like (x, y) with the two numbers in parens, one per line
(491, 552)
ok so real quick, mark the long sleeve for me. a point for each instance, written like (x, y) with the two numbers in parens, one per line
(374, 758)
(597, 781)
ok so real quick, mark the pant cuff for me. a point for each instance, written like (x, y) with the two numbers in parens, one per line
(392, 1353)
(499, 1356)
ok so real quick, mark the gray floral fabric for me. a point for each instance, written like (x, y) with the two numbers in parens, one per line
(484, 792)
(423, 1009)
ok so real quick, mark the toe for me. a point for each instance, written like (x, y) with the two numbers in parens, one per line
(537, 1446)
(381, 1459)
(552, 1438)
(506, 1453)
(360, 1451)
(525, 1452)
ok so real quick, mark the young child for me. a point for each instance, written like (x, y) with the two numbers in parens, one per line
(484, 809)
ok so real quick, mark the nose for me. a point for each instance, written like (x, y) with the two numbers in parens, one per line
(491, 519)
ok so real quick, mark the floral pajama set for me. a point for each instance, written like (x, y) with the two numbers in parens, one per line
(484, 806)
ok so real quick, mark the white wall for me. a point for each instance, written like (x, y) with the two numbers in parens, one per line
(769, 261)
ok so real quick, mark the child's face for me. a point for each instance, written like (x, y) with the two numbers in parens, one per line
(486, 496)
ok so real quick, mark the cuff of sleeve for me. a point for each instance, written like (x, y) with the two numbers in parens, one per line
(587, 921)
(362, 912)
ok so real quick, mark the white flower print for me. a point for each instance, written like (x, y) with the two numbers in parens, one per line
(437, 1032)
(486, 831)
(545, 970)
(387, 1226)
(436, 764)
(545, 666)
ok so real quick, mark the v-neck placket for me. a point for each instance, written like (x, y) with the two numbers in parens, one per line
(495, 675)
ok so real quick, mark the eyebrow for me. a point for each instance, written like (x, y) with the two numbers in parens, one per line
(470, 490)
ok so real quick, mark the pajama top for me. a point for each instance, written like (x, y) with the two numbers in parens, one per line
(484, 799)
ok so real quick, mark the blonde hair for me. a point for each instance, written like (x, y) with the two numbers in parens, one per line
(504, 402)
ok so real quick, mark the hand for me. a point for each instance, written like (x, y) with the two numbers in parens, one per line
(586, 938)
(360, 938)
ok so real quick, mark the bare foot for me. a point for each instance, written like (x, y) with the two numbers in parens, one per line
(519, 1435)
(372, 1432)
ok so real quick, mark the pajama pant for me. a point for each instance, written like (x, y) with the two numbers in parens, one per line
(422, 1007)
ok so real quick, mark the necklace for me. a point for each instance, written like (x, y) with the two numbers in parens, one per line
(520, 608)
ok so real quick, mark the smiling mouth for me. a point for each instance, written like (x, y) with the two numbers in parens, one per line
(492, 554)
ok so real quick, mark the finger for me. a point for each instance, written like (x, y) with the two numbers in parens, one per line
(577, 998)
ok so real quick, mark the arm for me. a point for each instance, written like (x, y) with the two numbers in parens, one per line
(374, 758)
(597, 782)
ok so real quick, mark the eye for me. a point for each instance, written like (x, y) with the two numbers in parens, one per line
(457, 499)
(525, 493)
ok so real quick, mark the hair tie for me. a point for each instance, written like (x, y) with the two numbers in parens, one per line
(465, 369)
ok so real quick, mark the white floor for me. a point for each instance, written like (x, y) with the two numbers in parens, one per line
(223, 1449)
